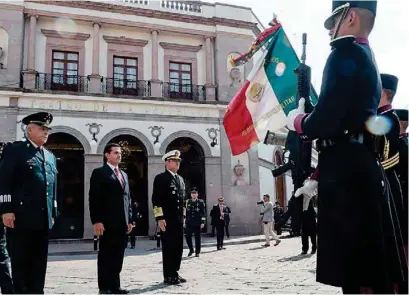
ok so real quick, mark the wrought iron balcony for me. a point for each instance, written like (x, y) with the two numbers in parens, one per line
(45, 81)
(184, 91)
(126, 87)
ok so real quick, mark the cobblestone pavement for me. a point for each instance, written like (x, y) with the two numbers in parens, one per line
(244, 269)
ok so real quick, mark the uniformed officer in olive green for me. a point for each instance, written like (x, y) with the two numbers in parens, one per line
(194, 221)
(28, 176)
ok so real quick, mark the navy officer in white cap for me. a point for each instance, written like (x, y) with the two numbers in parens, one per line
(167, 198)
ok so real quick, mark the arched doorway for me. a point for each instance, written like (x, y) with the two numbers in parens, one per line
(192, 167)
(134, 163)
(70, 185)
(279, 181)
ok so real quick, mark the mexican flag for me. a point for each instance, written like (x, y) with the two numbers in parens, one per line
(266, 97)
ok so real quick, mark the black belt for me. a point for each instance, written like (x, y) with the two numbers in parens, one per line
(351, 138)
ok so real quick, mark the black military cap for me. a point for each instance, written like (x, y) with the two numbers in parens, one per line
(339, 6)
(389, 82)
(402, 114)
(194, 190)
(221, 199)
(41, 119)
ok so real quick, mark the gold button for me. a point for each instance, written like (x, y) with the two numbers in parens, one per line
(47, 194)
(48, 183)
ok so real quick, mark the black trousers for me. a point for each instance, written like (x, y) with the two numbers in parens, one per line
(110, 258)
(196, 230)
(304, 239)
(220, 233)
(28, 255)
(226, 226)
(213, 229)
(172, 248)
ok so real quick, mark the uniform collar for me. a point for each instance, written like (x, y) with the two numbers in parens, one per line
(384, 109)
(173, 173)
(34, 145)
(362, 40)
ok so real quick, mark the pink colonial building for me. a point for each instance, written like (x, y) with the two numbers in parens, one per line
(152, 75)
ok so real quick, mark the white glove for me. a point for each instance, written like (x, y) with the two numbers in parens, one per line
(308, 190)
(294, 113)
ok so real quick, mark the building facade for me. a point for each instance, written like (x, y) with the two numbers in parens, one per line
(151, 75)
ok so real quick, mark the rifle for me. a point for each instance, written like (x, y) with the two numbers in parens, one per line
(299, 160)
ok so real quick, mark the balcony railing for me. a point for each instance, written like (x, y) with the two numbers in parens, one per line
(189, 6)
(126, 87)
(59, 82)
(184, 91)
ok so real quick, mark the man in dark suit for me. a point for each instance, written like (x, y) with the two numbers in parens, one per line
(167, 199)
(28, 176)
(111, 215)
(218, 213)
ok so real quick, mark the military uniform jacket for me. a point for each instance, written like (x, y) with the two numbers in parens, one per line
(195, 212)
(28, 183)
(167, 197)
(353, 210)
(403, 161)
(389, 153)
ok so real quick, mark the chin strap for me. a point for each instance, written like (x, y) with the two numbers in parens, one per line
(343, 16)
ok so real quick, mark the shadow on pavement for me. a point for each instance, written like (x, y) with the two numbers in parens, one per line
(294, 258)
(149, 289)
(258, 248)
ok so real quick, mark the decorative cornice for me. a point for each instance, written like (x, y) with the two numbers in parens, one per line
(65, 35)
(108, 7)
(142, 27)
(125, 41)
(180, 47)
(11, 7)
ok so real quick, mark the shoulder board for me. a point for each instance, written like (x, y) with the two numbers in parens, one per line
(342, 42)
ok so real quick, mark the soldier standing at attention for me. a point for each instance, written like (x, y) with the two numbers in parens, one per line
(389, 149)
(355, 251)
(167, 199)
(195, 221)
(28, 176)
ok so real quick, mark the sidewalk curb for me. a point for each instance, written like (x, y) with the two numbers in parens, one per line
(206, 245)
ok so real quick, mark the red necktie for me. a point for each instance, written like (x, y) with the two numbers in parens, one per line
(119, 176)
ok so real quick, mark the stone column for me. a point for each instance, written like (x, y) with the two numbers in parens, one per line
(210, 88)
(155, 82)
(29, 75)
(213, 185)
(155, 166)
(95, 78)
(91, 161)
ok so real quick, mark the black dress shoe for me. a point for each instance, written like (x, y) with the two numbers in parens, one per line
(172, 281)
(313, 251)
(219, 248)
(104, 291)
(182, 280)
(303, 252)
(119, 291)
(190, 253)
(197, 254)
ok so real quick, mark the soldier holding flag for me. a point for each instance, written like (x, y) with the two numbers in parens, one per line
(357, 250)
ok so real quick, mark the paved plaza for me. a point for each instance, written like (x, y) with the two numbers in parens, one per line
(241, 268)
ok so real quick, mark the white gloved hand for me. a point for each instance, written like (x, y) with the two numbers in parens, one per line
(308, 190)
(294, 113)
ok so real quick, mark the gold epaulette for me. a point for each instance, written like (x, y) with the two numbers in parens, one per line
(392, 161)
(157, 211)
